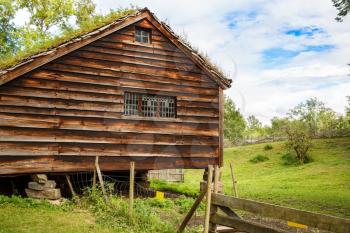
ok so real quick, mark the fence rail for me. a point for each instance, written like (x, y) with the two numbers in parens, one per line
(320, 221)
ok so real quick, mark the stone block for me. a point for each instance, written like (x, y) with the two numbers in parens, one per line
(50, 184)
(40, 178)
(51, 194)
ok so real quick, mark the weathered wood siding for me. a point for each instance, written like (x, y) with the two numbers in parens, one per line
(58, 116)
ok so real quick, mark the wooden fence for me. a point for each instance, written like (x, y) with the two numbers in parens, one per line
(294, 217)
(220, 210)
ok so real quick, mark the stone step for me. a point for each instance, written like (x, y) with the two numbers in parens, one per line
(51, 194)
(50, 184)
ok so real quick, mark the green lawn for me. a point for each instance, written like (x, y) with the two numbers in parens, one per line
(322, 185)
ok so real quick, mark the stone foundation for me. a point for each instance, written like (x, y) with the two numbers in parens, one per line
(42, 188)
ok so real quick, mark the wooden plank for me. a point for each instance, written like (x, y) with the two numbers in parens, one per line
(93, 149)
(19, 134)
(243, 225)
(221, 127)
(191, 211)
(39, 102)
(111, 55)
(132, 68)
(109, 125)
(116, 48)
(46, 92)
(323, 222)
(208, 199)
(131, 188)
(130, 46)
(48, 164)
(70, 185)
(105, 77)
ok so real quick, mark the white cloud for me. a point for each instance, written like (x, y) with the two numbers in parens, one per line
(261, 89)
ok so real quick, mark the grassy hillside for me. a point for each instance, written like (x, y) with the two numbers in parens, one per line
(322, 185)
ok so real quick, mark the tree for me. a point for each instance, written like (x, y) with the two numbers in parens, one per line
(309, 112)
(298, 139)
(234, 123)
(278, 126)
(343, 7)
(7, 28)
(347, 109)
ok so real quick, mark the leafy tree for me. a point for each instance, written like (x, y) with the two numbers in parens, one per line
(278, 126)
(234, 123)
(298, 139)
(44, 14)
(309, 112)
(343, 7)
(7, 28)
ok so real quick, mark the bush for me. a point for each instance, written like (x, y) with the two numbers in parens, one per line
(258, 159)
(289, 159)
(268, 147)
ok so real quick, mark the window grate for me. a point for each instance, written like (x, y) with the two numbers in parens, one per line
(149, 105)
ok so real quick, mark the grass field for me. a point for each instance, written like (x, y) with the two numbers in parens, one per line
(322, 185)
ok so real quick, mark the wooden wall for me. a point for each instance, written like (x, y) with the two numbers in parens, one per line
(57, 117)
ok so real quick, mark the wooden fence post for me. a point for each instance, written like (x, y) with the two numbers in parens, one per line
(70, 185)
(214, 209)
(208, 199)
(234, 182)
(131, 188)
(97, 167)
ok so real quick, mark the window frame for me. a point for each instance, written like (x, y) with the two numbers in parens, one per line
(140, 110)
(141, 29)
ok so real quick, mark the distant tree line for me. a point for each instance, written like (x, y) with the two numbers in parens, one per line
(311, 117)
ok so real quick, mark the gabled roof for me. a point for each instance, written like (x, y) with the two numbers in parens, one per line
(51, 54)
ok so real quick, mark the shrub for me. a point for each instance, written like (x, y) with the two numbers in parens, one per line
(299, 139)
(289, 159)
(258, 159)
(268, 147)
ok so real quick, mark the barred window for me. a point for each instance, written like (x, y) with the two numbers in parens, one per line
(142, 35)
(149, 105)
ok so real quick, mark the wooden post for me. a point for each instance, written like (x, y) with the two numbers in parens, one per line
(97, 167)
(94, 179)
(208, 199)
(214, 209)
(131, 188)
(192, 210)
(70, 185)
(234, 188)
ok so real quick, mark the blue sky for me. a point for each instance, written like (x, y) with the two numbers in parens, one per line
(278, 52)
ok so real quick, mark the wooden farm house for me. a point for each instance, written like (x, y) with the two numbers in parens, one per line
(131, 90)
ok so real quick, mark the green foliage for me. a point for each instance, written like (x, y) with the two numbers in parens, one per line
(290, 159)
(8, 36)
(148, 213)
(268, 147)
(343, 7)
(173, 187)
(258, 159)
(299, 139)
(234, 123)
(33, 203)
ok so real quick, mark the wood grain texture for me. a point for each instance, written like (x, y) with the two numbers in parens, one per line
(73, 107)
